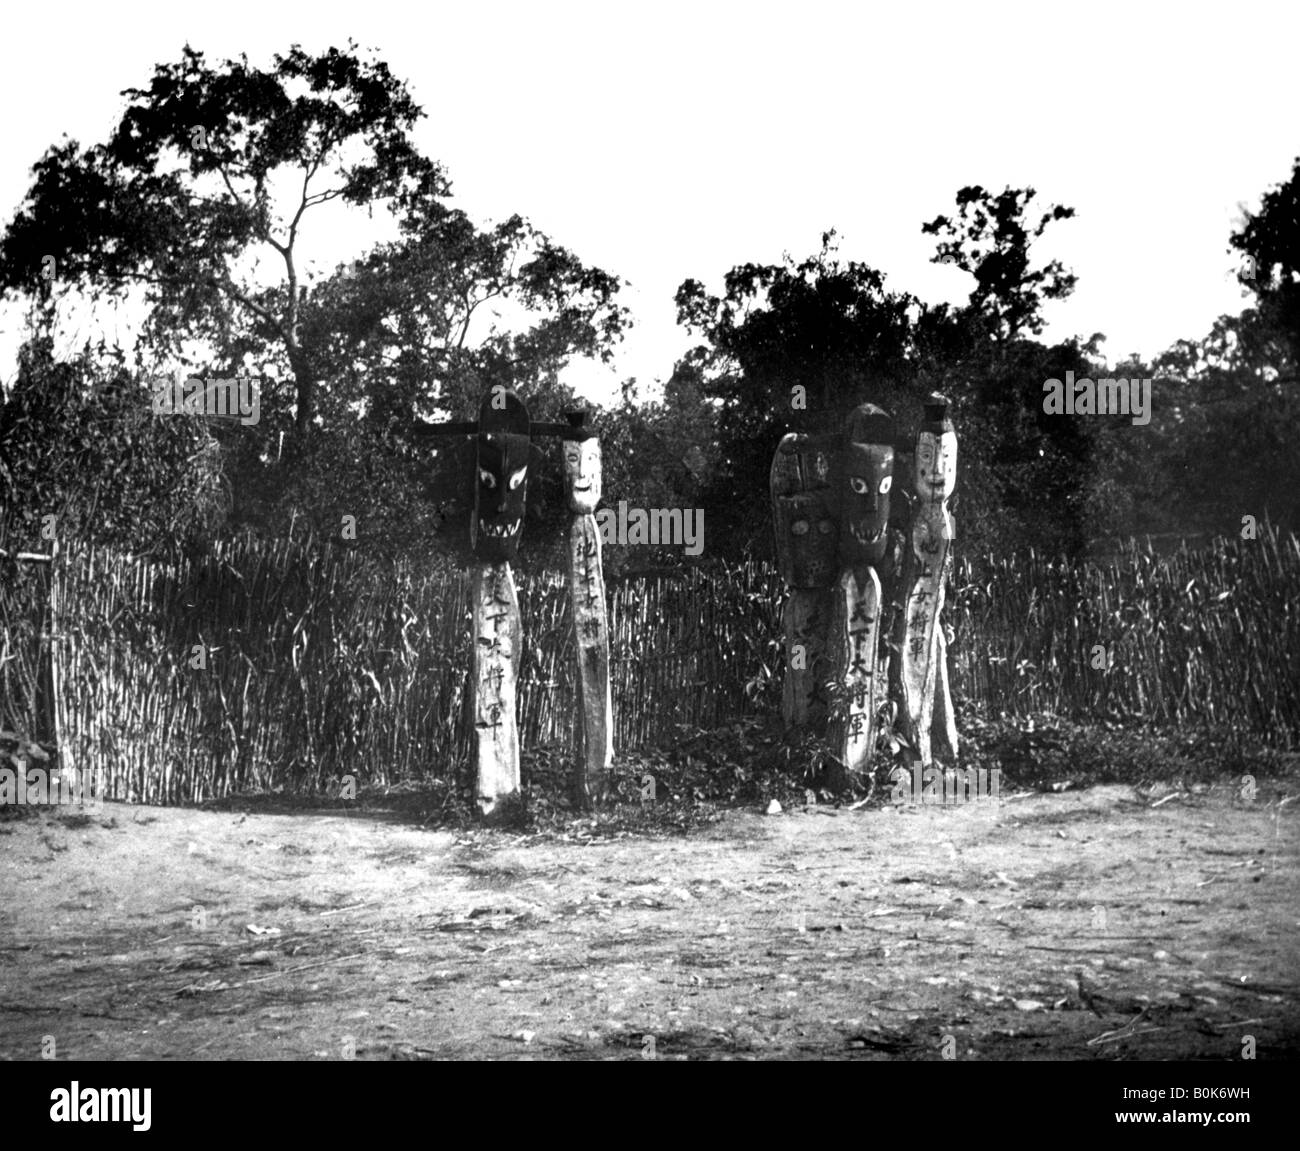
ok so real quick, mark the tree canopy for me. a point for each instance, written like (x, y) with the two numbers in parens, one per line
(200, 205)
(200, 199)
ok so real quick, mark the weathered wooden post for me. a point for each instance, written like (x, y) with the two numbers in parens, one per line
(503, 434)
(864, 476)
(496, 525)
(47, 709)
(498, 641)
(594, 728)
(921, 682)
(807, 539)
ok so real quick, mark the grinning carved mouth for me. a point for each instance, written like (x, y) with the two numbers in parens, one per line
(499, 531)
(859, 532)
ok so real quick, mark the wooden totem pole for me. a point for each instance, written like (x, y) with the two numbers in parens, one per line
(920, 683)
(504, 446)
(865, 474)
(830, 500)
(503, 435)
(807, 540)
(594, 734)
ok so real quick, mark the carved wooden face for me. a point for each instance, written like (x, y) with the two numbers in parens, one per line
(866, 475)
(582, 470)
(499, 493)
(803, 508)
(807, 527)
(936, 465)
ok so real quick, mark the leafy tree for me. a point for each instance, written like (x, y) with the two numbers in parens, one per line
(1232, 404)
(78, 440)
(189, 193)
(788, 347)
(660, 455)
(831, 334)
(1026, 475)
(406, 332)
(1230, 447)
(183, 195)
(1270, 242)
(990, 239)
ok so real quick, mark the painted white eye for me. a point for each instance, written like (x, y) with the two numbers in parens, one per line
(886, 484)
(859, 485)
(799, 527)
(517, 478)
(486, 478)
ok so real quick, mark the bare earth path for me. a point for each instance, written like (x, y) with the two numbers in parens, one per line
(1096, 924)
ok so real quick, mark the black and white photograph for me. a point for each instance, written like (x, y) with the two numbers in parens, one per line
(693, 532)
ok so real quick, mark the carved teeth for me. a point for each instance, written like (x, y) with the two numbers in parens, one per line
(499, 531)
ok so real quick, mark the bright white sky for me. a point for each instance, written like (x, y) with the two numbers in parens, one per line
(667, 139)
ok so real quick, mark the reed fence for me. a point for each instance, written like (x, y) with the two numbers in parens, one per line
(274, 665)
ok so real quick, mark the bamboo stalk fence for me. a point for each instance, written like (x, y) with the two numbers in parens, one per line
(260, 666)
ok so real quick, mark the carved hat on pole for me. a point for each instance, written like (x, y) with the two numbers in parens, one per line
(936, 451)
(582, 463)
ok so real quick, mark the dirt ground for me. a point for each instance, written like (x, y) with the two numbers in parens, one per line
(1100, 924)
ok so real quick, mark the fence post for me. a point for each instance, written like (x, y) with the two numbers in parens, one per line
(46, 707)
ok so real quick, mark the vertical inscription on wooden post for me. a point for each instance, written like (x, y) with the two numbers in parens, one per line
(854, 631)
(504, 448)
(595, 727)
(922, 652)
(863, 478)
(498, 638)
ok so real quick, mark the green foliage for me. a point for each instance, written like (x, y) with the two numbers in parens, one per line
(78, 441)
(1269, 241)
(823, 326)
(1045, 751)
(188, 192)
(991, 241)
(1224, 443)
(18, 754)
(792, 347)
(16, 751)
(392, 330)
(1219, 444)
(660, 455)
(185, 189)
